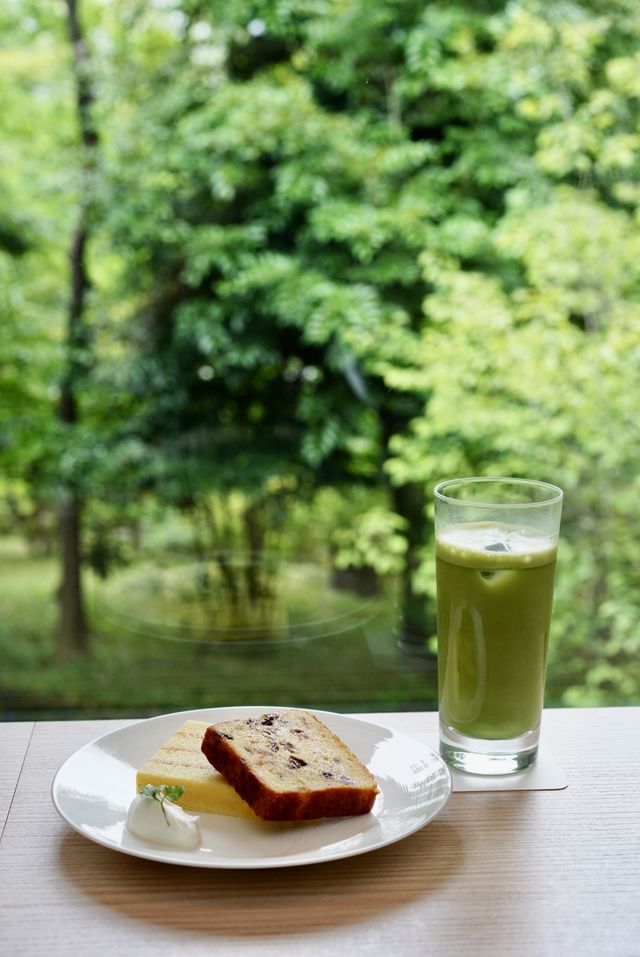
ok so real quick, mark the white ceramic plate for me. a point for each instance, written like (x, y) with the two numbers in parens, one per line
(94, 787)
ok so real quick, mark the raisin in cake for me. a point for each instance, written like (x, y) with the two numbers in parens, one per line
(289, 766)
(180, 761)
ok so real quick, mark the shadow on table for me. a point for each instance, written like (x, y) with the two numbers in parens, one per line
(260, 903)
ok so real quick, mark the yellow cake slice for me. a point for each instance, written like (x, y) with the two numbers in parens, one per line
(181, 762)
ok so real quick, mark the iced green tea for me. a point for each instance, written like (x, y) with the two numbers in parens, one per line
(495, 594)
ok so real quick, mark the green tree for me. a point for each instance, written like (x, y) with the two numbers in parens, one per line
(35, 133)
(271, 247)
(529, 349)
(330, 177)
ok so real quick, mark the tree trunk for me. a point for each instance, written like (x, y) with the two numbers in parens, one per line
(72, 625)
(72, 622)
(415, 625)
(256, 587)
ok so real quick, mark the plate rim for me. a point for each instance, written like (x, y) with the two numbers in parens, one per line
(159, 854)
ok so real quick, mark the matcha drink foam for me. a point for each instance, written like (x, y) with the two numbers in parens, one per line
(495, 594)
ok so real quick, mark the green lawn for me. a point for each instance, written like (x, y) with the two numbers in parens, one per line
(155, 648)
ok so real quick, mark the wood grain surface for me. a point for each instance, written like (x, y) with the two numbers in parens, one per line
(524, 873)
(14, 741)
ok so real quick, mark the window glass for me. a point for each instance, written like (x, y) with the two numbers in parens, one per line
(269, 271)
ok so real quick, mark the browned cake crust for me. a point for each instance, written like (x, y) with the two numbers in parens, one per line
(289, 766)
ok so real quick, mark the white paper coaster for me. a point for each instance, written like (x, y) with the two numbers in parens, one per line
(543, 775)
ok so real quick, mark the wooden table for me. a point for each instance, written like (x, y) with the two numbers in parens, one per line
(500, 873)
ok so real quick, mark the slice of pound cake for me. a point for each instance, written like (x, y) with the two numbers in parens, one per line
(180, 761)
(289, 766)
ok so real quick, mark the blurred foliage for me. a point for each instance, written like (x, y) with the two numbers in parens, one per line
(339, 249)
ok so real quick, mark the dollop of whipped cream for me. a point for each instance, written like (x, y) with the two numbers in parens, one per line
(161, 821)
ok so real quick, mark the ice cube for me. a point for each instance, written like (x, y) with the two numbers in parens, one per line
(497, 547)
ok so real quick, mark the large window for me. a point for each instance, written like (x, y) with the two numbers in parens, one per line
(269, 269)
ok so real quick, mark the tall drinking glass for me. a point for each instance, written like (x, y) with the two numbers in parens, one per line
(496, 545)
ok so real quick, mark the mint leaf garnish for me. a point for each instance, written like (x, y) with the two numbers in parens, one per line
(162, 793)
